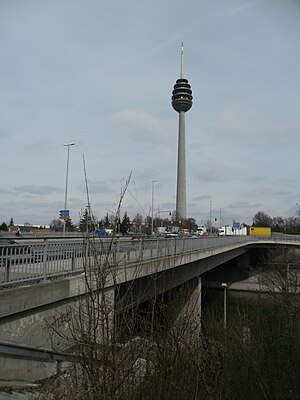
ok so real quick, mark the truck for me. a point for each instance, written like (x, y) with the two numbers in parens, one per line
(161, 230)
(226, 231)
(173, 229)
(231, 231)
(167, 230)
(201, 230)
(244, 231)
(259, 231)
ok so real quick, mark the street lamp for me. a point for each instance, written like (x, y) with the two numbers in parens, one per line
(67, 175)
(224, 286)
(152, 196)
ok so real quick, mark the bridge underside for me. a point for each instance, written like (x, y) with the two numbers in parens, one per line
(147, 287)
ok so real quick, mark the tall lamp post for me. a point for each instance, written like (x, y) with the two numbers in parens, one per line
(152, 197)
(67, 176)
(224, 286)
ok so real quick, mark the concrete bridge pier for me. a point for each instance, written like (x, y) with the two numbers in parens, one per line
(190, 311)
(243, 262)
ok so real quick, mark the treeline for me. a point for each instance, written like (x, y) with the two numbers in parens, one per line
(290, 225)
(139, 224)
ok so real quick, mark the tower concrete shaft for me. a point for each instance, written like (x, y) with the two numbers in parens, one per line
(182, 101)
(181, 172)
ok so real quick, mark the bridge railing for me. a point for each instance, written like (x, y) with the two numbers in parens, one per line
(21, 263)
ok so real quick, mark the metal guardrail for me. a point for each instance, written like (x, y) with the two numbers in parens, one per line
(36, 353)
(49, 258)
(21, 351)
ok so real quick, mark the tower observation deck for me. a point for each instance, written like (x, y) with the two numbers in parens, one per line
(182, 101)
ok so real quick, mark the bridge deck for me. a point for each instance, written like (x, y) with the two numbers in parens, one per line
(38, 261)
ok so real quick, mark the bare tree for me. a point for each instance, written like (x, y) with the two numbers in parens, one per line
(131, 349)
(152, 346)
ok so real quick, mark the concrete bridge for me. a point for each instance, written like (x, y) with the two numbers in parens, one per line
(39, 294)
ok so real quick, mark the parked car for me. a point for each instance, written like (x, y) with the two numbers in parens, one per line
(172, 235)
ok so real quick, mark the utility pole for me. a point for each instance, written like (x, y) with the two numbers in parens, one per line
(152, 198)
(67, 177)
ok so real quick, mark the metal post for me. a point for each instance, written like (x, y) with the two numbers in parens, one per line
(45, 256)
(7, 266)
(73, 261)
(224, 285)
(67, 175)
(118, 250)
(151, 248)
(114, 247)
(141, 249)
(152, 197)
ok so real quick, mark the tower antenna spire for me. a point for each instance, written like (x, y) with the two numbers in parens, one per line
(181, 64)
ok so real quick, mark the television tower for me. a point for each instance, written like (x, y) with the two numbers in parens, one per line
(182, 101)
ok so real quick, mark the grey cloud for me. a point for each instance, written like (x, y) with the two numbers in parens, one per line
(241, 129)
(4, 133)
(249, 124)
(209, 174)
(201, 198)
(273, 192)
(167, 206)
(199, 149)
(27, 204)
(6, 191)
(39, 145)
(293, 210)
(243, 205)
(95, 187)
(147, 174)
(254, 179)
(141, 126)
(36, 190)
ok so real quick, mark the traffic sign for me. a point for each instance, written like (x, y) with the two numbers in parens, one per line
(64, 214)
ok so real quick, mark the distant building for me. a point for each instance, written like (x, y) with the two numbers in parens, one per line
(29, 228)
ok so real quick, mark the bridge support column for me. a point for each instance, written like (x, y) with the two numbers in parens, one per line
(190, 312)
(243, 262)
(107, 317)
(195, 299)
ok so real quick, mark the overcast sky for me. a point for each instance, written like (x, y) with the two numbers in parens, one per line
(101, 72)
